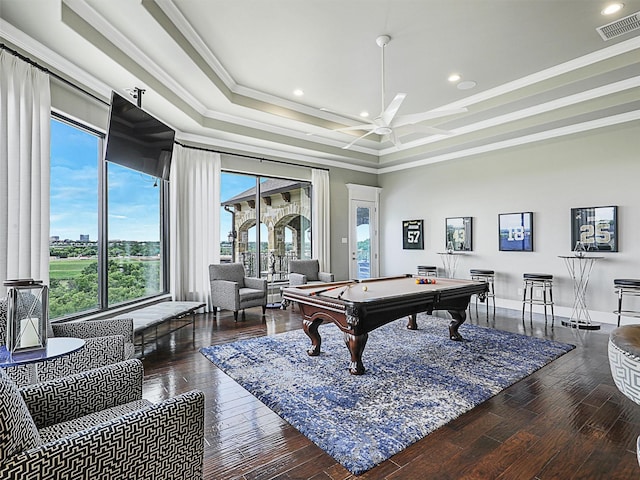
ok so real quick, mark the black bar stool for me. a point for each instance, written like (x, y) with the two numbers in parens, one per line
(427, 271)
(534, 282)
(487, 276)
(626, 287)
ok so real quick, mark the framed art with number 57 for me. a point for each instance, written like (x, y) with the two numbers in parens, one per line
(412, 235)
(515, 232)
(596, 228)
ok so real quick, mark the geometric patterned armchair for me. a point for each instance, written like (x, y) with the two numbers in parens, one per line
(302, 272)
(624, 361)
(95, 424)
(232, 290)
(106, 341)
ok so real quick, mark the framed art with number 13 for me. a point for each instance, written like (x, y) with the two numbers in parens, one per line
(515, 232)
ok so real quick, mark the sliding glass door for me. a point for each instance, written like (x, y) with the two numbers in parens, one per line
(282, 233)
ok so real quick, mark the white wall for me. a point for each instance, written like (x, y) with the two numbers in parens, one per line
(596, 168)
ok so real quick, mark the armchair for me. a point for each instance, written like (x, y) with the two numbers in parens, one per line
(232, 290)
(106, 342)
(302, 272)
(624, 361)
(95, 424)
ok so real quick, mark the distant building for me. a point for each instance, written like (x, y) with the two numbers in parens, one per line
(84, 238)
(54, 238)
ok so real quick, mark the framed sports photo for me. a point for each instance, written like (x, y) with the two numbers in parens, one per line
(459, 233)
(515, 232)
(412, 235)
(596, 228)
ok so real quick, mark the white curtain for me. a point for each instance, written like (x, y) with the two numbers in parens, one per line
(320, 224)
(25, 113)
(194, 188)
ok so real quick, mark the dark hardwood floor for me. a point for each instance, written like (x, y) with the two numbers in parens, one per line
(566, 421)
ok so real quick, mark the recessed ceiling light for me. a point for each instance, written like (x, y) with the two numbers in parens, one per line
(612, 8)
(298, 92)
(364, 114)
(467, 85)
(454, 77)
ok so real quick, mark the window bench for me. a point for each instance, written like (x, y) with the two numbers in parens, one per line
(157, 314)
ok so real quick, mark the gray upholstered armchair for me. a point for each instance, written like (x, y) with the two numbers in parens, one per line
(106, 342)
(95, 424)
(302, 272)
(232, 290)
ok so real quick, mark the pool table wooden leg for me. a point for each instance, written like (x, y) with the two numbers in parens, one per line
(356, 344)
(412, 324)
(459, 316)
(311, 329)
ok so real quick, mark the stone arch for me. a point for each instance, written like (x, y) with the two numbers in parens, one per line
(300, 228)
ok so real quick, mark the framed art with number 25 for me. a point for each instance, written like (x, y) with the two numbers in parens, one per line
(596, 228)
(412, 235)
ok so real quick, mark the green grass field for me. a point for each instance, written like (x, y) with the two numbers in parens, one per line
(68, 268)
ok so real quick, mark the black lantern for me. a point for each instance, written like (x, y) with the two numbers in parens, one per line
(27, 315)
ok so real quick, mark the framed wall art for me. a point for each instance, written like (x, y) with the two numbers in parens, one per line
(412, 235)
(459, 233)
(515, 232)
(596, 228)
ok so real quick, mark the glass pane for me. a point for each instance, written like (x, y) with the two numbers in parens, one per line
(237, 218)
(363, 237)
(73, 244)
(285, 207)
(134, 268)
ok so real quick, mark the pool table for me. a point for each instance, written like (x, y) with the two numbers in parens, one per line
(358, 307)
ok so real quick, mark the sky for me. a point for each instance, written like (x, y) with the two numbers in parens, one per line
(133, 199)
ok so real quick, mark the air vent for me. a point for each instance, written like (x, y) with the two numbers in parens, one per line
(620, 27)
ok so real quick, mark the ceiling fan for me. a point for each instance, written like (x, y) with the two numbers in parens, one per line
(392, 126)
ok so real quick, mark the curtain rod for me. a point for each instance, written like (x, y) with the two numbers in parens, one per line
(250, 156)
(77, 87)
(49, 72)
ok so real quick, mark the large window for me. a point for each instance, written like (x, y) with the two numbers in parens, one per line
(284, 209)
(99, 259)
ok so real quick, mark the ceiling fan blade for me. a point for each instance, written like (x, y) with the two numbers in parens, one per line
(359, 138)
(390, 112)
(421, 117)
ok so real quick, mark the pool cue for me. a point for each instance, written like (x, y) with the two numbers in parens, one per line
(339, 297)
(319, 292)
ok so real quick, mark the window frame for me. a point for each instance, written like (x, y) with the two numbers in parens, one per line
(102, 240)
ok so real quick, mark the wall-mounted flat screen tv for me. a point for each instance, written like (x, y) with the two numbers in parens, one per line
(137, 140)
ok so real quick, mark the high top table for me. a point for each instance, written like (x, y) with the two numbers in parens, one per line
(579, 267)
(450, 262)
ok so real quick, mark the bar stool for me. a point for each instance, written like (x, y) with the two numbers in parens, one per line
(427, 271)
(487, 276)
(626, 287)
(534, 282)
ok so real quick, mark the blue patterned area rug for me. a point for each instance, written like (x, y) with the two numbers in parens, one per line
(415, 382)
